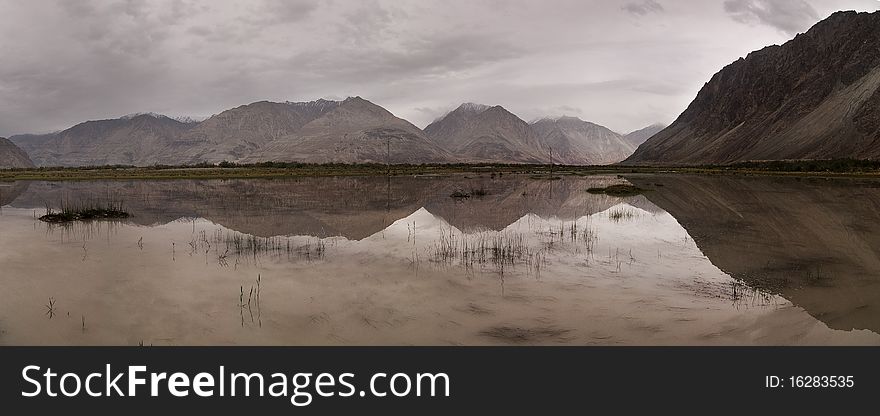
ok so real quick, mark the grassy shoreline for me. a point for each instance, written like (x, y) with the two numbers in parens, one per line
(836, 168)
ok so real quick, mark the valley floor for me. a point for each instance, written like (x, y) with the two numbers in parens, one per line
(836, 168)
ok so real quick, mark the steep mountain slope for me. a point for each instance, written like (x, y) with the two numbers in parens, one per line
(11, 156)
(814, 97)
(354, 131)
(636, 138)
(479, 133)
(125, 141)
(578, 142)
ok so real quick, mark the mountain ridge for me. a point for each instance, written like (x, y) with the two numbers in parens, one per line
(103, 142)
(578, 142)
(485, 134)
(481, 133)
(364, 132)
(353, 130)
(816, 96)
(637, 137)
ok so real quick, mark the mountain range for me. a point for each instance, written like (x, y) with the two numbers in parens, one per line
(353, 130)
(815, 97)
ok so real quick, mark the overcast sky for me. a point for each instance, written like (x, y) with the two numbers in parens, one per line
(623, 64)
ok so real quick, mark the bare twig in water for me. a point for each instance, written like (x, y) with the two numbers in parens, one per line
(253, 300)
(222, 258)
(50, 308)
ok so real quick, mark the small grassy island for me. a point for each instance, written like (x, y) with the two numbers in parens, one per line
(85, 213)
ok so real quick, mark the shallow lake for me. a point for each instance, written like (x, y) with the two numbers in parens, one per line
(399, 261)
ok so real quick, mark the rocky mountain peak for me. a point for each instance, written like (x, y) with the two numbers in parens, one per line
(141, 115)
(472, 107)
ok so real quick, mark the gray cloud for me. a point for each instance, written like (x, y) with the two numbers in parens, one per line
(789, 16)
(70, 61)
(644, 7)
(568, 110)
(274, 12)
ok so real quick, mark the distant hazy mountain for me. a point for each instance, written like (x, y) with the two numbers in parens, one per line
(182, 119)
(578, 142)
(354, 130)
(137, 140)
(814, 97)
(479, 133)
(244, 131)
(11, 156)
(636, 138)
(350, 131)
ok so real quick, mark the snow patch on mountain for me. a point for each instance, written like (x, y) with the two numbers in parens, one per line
(474, 107)
(320, 104)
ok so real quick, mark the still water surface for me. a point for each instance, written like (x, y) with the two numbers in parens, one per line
(379, 261)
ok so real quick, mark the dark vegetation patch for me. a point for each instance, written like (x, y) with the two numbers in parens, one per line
(519, 335)
(294, 169)
(477, 309)
(462, 194)
(617, 190)
(85, 212)
(830, 165)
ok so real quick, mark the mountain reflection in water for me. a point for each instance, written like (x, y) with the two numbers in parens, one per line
(350, 207)
(377, 260)
(815, 241)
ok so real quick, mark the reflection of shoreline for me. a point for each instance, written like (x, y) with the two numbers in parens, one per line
(816, 242)
(351, 207)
